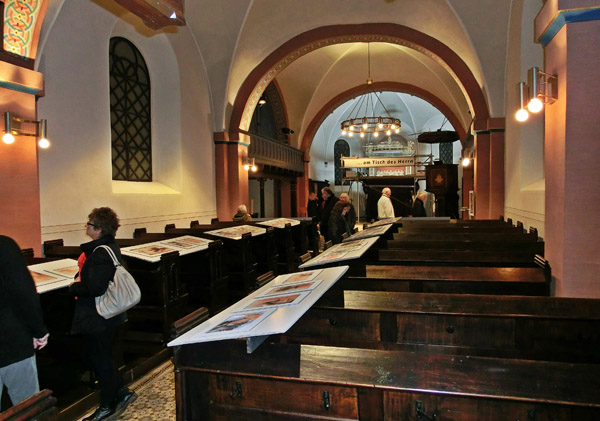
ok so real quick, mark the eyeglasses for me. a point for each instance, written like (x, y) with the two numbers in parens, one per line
(92, 225)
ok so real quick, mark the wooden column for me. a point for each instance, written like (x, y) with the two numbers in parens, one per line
(277, 198)
(293, 201)
(570, 35)
(262, 197)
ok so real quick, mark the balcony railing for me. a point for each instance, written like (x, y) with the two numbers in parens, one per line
(271, 152)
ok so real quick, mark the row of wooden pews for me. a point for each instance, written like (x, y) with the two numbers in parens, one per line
(173, 286)
(415, 339)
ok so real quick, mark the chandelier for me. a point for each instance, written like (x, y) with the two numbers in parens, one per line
(362, 119)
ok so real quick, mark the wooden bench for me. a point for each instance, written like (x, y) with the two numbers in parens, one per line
(534, 280)
(456, 257)
(41, 406)
(219, 380)
(532, 328)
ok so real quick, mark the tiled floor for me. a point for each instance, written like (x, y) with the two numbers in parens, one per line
(156, 396)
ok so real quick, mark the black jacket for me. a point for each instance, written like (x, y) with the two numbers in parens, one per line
(98, 270)
(337, 227)
(20, 311)
(314, 208)
(326, 212)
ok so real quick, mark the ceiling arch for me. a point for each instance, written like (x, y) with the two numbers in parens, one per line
(340, 99)
(255, 83)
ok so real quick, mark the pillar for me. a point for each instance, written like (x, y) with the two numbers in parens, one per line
(570, 35)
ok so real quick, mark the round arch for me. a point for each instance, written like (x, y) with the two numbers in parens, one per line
(315, 123)
(253, 86)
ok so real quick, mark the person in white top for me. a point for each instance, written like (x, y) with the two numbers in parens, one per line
(384, 205)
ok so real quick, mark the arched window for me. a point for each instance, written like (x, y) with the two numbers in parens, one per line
(130, 118)
(341, 148)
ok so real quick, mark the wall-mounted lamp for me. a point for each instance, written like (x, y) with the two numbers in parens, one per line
(262, 101)
(541, 88)
(522, 114)
(249, 164)
(467, 157)
(14, 126)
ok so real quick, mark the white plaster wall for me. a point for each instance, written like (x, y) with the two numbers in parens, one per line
(75, 173)
(524, 142)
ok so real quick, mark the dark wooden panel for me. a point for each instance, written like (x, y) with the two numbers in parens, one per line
(278, 396)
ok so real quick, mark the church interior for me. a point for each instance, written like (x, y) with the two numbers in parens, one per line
(173, 113)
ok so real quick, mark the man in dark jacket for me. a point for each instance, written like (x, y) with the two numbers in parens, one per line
(22, 328)
(329, 200)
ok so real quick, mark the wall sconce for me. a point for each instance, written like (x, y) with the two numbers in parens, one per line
(262, 101)
(249, 164)
(13, 126)
(522, 114)
(467, 157)
(542, 88)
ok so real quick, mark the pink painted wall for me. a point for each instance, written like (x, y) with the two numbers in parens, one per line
(572, 153)
(19, 182)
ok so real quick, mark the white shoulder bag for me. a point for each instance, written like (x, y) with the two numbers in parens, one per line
(122, 292)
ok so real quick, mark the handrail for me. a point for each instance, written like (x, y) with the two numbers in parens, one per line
(268, 151)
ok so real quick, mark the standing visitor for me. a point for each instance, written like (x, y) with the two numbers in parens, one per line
(385, 209)
(96, 270)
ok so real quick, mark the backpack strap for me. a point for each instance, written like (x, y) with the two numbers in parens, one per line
(111, 253)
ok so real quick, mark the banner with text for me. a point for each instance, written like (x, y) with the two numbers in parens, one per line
(377, 162)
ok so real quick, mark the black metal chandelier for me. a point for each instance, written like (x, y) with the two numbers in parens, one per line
(362, 119)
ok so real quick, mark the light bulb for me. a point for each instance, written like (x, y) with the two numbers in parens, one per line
(393, 126)
(8, 138)
(44, 143)
(246, 167)
(466, 162)
(351, 128)
(365, 125)
(350, 134)
(343, 132)
(362, 134)
(522, 115)
(535, 105)
(380, 125)
(376, 134)
(397, 131)
(389, 132)
(253, 168)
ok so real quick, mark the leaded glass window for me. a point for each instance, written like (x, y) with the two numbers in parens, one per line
(341, 148)
(129, 113)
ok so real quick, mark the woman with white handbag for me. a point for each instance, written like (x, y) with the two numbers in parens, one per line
(96, 272)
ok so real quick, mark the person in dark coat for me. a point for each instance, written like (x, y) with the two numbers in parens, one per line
(313, 208)
(337, 222)
(329, 200)
(351, 213)
(22, 328)
(96, 271)
(418, 205)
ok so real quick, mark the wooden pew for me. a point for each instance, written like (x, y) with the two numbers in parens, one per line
(298, 381)
(515, 280)
(41, 406)
(532, 328)
(259, 252)
(467, 257)
(163, 301)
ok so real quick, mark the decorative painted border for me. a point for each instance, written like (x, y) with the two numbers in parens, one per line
(19, 26)
(567, 16)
